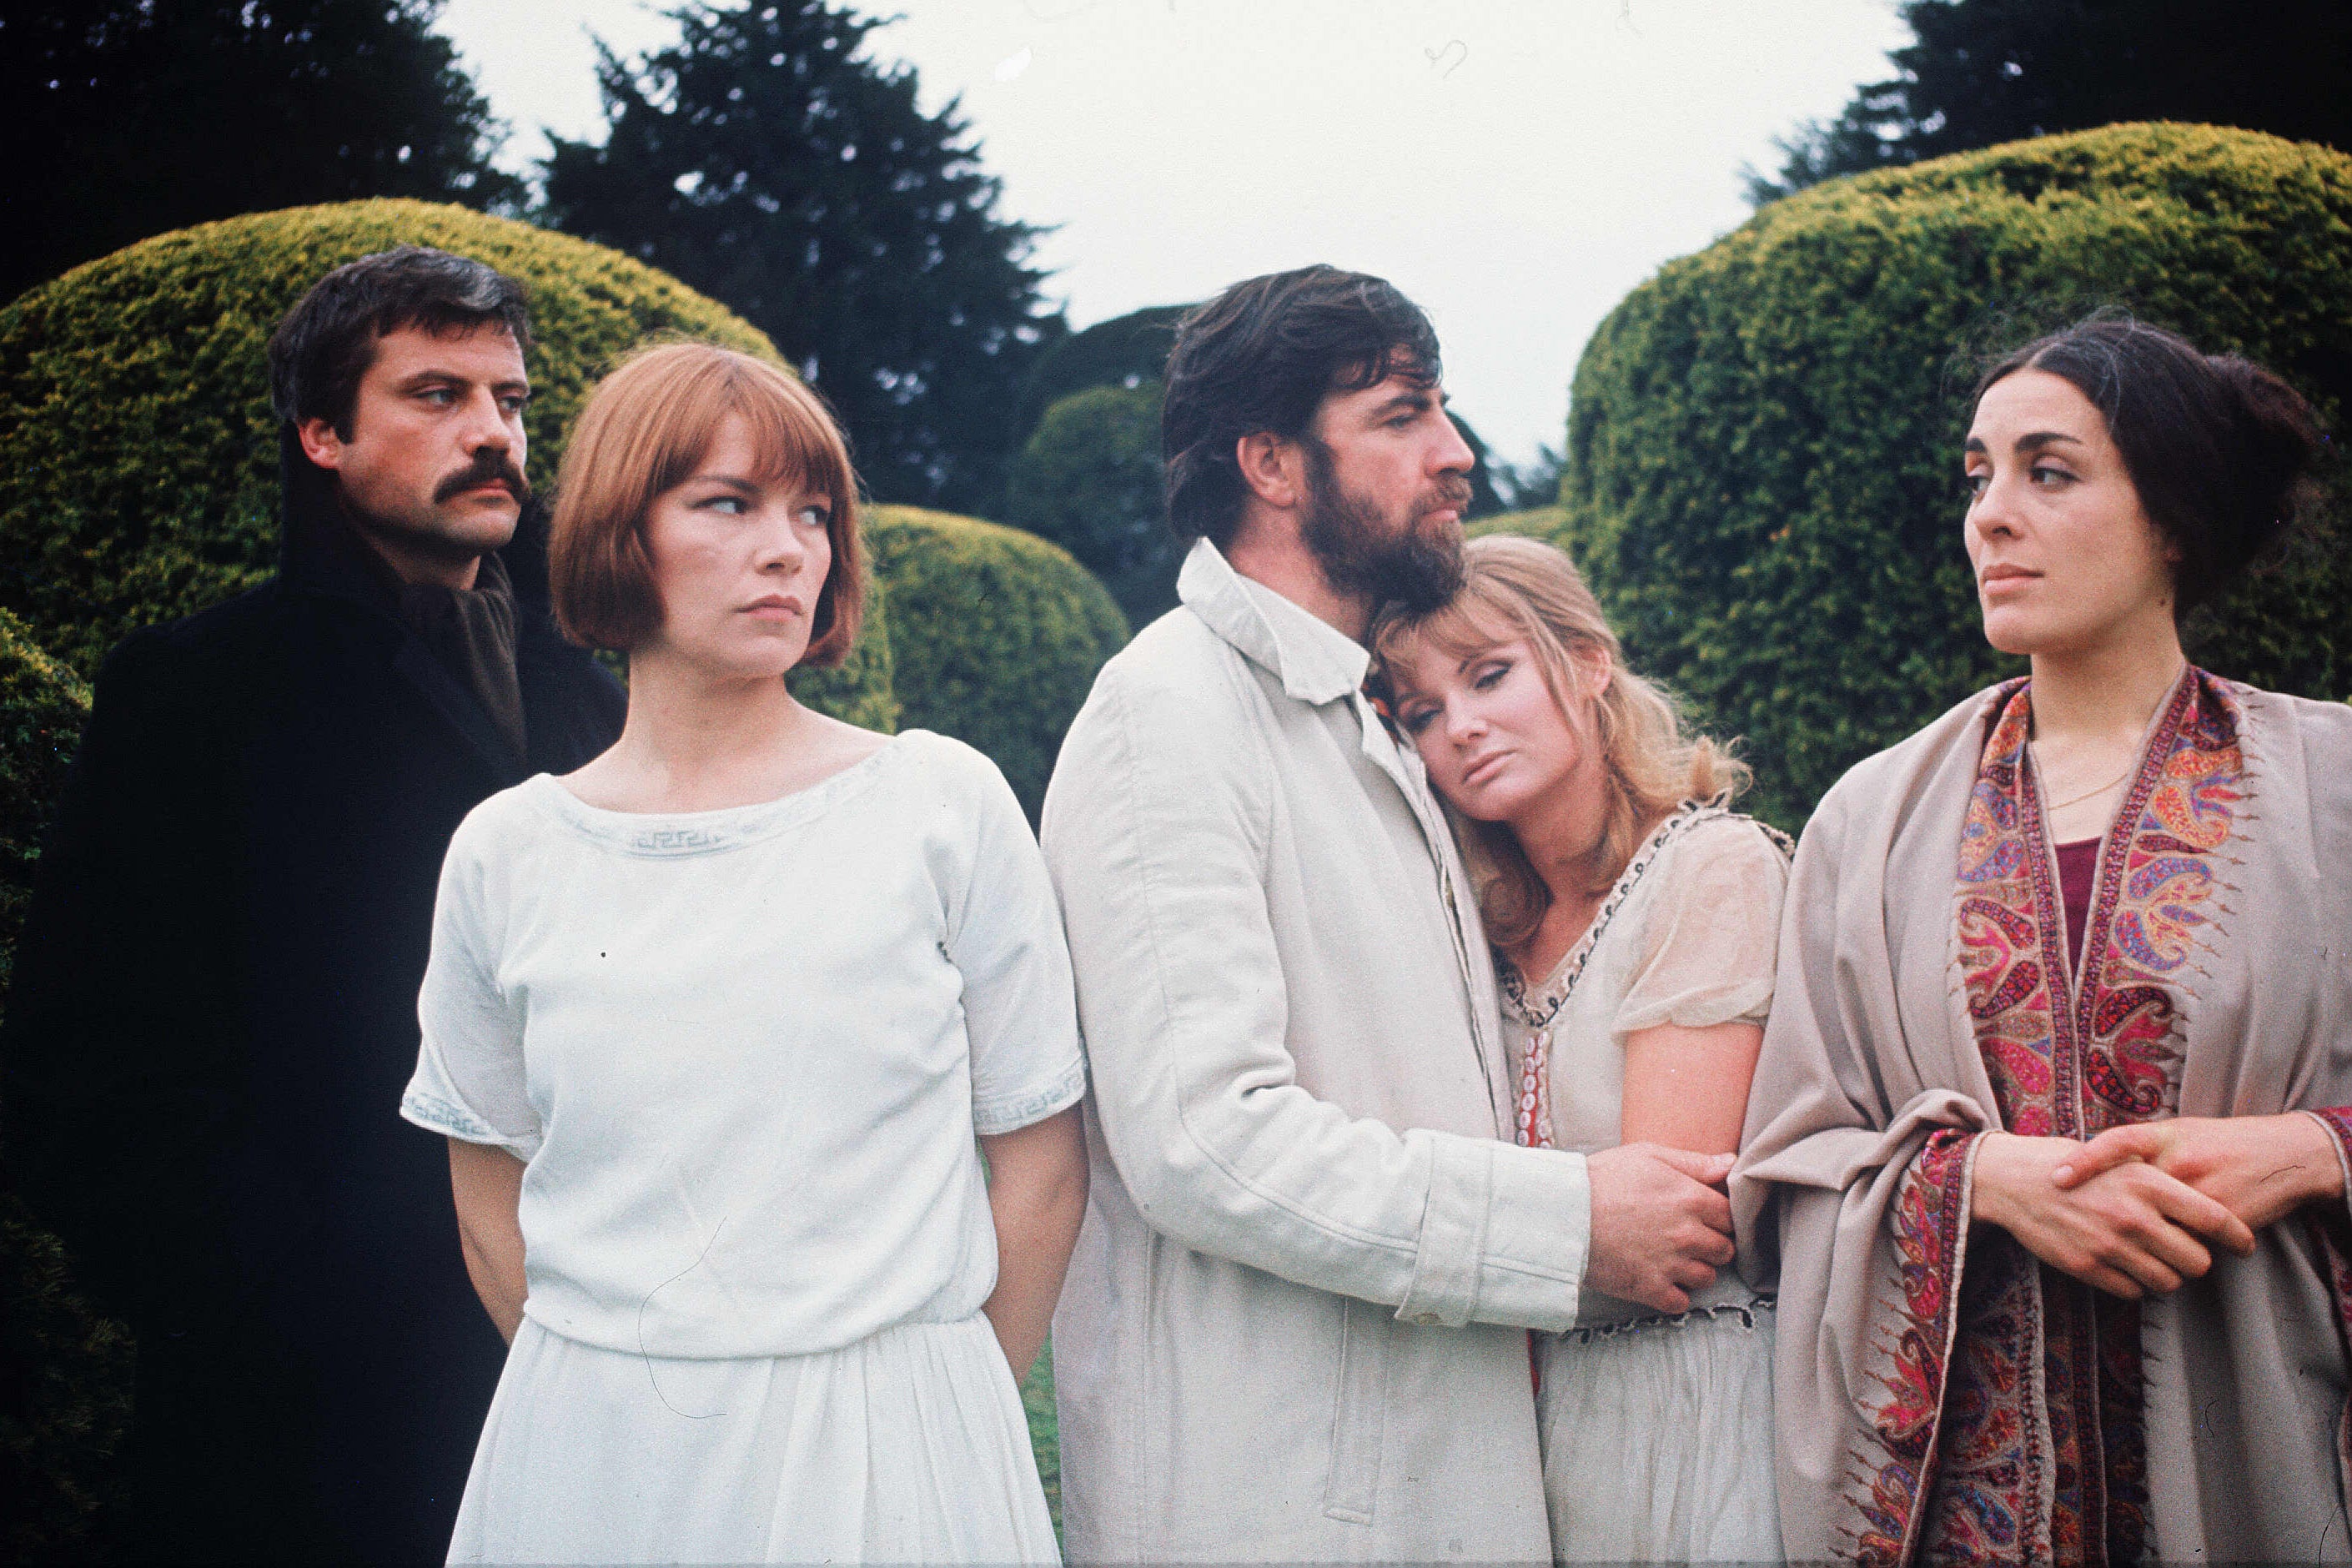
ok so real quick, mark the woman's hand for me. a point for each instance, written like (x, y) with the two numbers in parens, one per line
(1037, 1195)
(2130, 1229)
(2262, 1168)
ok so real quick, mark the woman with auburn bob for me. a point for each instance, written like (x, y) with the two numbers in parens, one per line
(711, 1026)
(2048, 1142)
(1634, 918)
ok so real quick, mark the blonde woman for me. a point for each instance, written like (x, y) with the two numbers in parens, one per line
(1634, 918)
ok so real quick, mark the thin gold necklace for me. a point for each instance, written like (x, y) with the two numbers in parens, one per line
(2101, 789)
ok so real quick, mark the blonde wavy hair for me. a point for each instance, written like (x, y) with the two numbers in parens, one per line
(1515, 589)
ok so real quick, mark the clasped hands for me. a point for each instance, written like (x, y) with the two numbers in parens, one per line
(2137, 1210)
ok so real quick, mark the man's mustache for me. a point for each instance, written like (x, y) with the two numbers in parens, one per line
(489, 466)
(1454, 492)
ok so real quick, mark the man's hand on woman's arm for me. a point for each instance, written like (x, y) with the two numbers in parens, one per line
(1661, 1226)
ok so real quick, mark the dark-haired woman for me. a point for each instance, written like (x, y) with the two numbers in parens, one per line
(711, 1025)
(2046, 1140)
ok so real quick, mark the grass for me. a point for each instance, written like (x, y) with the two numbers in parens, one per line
(1045, 1437)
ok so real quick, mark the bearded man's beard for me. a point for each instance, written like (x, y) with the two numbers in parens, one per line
(1417, 568)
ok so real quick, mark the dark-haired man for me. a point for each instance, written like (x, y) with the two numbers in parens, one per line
(215, 1006)
(1294, 1326)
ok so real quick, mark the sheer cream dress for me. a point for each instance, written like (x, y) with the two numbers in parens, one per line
(1656, 1430)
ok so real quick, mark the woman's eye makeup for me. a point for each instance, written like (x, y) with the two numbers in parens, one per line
(1414, 720)
(2049, 474)
(1973, 484)
(1489, 673)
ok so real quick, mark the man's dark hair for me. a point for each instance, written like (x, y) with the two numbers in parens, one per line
(327, 342)
(1262, 356)
(2220, 450)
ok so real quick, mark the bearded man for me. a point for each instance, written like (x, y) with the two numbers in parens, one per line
(1295, 1326)
(214, 1009)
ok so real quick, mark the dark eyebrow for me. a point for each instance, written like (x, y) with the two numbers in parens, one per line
(2034, 442)
(430, 376)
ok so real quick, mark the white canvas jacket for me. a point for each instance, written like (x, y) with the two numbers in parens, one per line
(1292, 1328)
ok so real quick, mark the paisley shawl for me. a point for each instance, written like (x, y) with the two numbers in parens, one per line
(1992, 1409)
(2071, 1053)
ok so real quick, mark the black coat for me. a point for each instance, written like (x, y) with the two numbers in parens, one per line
(213, 1014)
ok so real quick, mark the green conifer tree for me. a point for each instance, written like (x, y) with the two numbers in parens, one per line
(127, 118)
(767, 161)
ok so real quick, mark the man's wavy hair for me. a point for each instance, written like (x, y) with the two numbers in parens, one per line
(1262, 356)
(326, 342)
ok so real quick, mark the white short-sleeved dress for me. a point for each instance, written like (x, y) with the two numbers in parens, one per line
(744, 1055)
(1656, 1430)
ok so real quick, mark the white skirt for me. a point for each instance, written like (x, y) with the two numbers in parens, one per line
(907, 1446)
(1657, 1440)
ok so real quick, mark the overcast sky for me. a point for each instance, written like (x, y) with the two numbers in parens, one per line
(1515, 165)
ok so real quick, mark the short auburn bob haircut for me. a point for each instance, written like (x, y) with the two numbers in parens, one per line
(644, 429)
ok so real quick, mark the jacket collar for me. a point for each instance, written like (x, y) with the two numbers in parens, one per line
(320, 553)
(1314, 661)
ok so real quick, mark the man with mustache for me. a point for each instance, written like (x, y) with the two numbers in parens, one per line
(215, 1008)
(1294, 1329)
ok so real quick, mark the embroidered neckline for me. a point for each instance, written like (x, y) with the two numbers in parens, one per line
(1545, 1006)
(1531, 1112)
(674, 835)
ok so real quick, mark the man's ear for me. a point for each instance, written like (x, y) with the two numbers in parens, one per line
(320, 443)
(1270, 467)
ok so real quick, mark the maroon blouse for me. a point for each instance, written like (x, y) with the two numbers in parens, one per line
(2076, 863)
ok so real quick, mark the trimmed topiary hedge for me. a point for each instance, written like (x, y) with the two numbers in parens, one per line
(1763, 456)
(995, 635)
(64, 1403)
(42, 706)
(1090, 480)
(1544, 522)
(1125, 350)
(862, 690)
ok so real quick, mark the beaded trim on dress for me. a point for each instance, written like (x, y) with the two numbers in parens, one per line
(1533, 1107)
(1531, 1112)
(1746, 1311)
